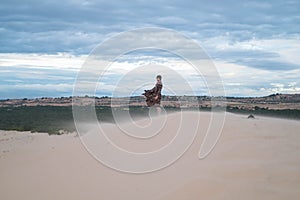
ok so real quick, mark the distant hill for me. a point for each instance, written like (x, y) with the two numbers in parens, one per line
(274, 101)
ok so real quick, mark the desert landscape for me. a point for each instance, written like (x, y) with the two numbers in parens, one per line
(149, 100)
(253, 159)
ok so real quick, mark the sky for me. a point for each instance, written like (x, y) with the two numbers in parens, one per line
(254, 45)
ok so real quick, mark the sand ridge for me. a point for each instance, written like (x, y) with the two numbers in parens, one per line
(254, 159)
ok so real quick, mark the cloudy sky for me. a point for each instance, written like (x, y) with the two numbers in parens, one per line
(254, 45)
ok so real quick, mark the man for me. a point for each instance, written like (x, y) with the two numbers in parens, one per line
(153, 96)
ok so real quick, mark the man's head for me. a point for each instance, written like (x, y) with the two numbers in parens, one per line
(158, 77)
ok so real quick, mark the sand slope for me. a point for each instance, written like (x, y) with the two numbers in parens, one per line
(254, 159)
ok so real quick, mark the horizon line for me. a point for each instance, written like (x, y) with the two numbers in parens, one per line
(107, 96)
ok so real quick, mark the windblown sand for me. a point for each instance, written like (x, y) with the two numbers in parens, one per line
(254, 159)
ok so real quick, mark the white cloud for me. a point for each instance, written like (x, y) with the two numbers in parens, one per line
(44, 61)
(239, 80)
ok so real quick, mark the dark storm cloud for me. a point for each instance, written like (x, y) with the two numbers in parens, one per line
(73, 25)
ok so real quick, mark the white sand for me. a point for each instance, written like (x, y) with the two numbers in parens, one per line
(254, 159)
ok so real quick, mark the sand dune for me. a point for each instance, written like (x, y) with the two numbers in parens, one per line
(254, 159)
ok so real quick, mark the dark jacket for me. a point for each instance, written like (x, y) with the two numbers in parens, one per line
(151, 94)
(157, 91)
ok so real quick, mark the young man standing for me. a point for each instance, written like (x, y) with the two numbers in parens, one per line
(153, 96)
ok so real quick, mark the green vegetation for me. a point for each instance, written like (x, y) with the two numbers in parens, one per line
(285, 113)
(52, 119)
(48, 119)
